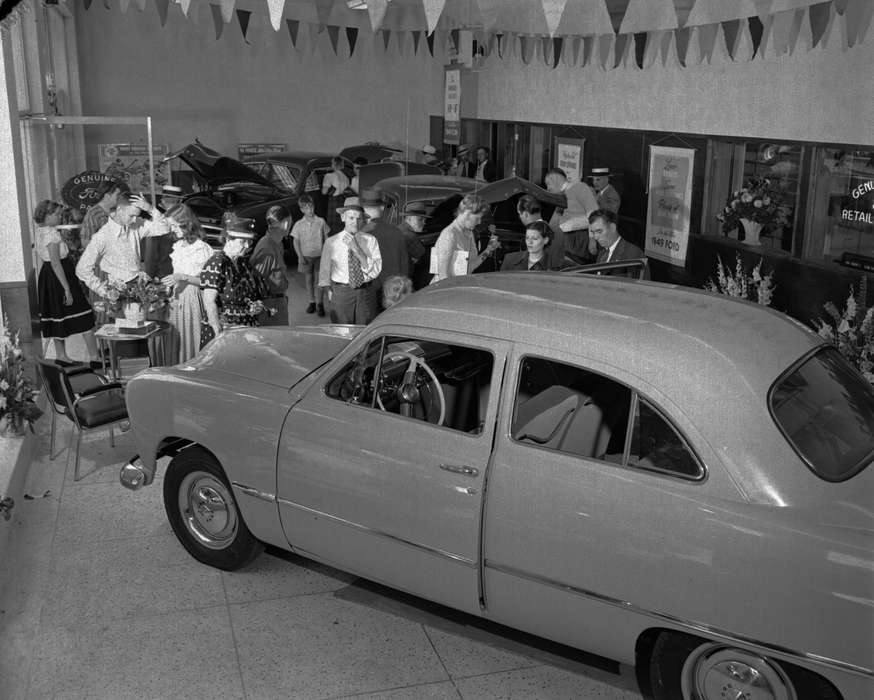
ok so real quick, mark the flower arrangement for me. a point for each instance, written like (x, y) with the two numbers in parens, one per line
(150, 293)
(752, 286)
(759, 201)
(17, 395)
(851, 331)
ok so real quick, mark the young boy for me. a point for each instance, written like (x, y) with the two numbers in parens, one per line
(308, 235)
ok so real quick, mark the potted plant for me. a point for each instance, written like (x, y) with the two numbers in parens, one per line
(752, 285)
(756, 205)
(17, 396)
(139, 297)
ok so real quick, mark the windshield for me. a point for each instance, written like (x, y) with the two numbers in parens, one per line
(826, 411)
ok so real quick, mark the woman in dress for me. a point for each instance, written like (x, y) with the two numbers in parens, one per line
(63, 308)
(455, 252)
(538, 236)
(189, 255)
(232, 295)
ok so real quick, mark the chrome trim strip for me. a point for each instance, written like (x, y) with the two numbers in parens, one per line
(373, 531)
(255, 493)
(690, 624)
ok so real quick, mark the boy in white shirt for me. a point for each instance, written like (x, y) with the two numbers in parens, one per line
(308, 236)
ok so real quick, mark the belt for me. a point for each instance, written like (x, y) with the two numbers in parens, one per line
(344, 284)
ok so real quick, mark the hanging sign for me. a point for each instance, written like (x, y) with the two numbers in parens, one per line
(569, 157)
(451, 107)
(129, 163)
(668, 215)
(82, 191)
(257, 149)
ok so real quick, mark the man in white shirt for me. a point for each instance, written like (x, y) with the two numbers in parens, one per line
(574, 219)
(350, 262)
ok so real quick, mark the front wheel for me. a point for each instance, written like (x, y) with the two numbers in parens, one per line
(683, 666)
(203, 513)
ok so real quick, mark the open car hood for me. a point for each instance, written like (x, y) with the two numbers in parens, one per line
(215, 168)
(435, 188)
(500, 190)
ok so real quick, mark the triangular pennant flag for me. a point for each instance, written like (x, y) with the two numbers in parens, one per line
(323, 11)
(526, 48)
(553, 10)
(544, 49)
(376, 9)
(334, 36)
(141, 5)
(386, 38)
(489, 10)
(649, 16)
(858, 15)
(243, 19)
(183, 5)
(621, 44)
(820, 19)
(783, 5)
(217, 20)
(588, 53)
(782, 25)
(275, 8)
(107, 5)
(719, 55)
(729, 32)
(123, 5)
(712, 11)
(803, 37)
(352, 38)
(707, 40)
(743, 47)
(585, 18)
(693, 50)
(433, 10)
(417, 35)
(227, 10)
(557, 48)
(682, 39)
(576, 45)
(293, 27)
(605, 51)
(87, 4)
(430, 41)
(835, 33)
(162, 6)
(669, 57)
(653, 47)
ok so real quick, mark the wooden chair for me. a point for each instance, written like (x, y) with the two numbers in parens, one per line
(88, 399)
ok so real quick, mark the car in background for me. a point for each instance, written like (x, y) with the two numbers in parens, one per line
(676, 480)
(440, 194)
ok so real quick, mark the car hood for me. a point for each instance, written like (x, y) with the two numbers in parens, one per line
(215, 168)
(277, 356)
(434, 188)
(500, 190)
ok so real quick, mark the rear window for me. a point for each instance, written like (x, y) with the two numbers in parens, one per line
(826, 411)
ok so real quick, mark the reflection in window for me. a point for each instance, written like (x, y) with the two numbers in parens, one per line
(426, 380)
(572, 410)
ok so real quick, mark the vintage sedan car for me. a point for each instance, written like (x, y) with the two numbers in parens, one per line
(676, 480)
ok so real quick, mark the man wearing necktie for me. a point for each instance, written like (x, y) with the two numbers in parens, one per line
(611, 246)
(350, 263)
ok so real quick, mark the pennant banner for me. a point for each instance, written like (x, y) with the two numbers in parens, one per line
(433, 10)
(227, 10)
(162, 6)
(275, 8)
(649, 16)
(243, 19)
(217, 20)
(293, 27)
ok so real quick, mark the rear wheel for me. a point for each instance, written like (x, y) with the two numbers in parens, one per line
(203, 513)
(689, 668)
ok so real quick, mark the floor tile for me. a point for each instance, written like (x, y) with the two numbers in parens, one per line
(320, 646)
(281, 575)
(432, 691)
(120, 578)
(180, 655)
(543, 683)
(463, 656)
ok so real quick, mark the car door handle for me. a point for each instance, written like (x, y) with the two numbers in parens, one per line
(460, 469)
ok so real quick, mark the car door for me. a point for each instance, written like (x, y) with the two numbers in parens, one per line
(381, 465)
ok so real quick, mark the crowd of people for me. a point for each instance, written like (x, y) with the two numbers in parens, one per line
(352, 269)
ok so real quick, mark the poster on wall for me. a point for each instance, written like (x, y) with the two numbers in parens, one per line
(257, 149)
(129, 163)
(569, 157)
(452, 107)
(668, 214)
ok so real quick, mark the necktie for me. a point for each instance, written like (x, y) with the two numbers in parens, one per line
(356, 275)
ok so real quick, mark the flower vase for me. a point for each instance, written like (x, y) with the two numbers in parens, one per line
(134, 311)
(752, 231)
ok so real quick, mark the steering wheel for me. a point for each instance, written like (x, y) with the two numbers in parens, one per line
(409, 392)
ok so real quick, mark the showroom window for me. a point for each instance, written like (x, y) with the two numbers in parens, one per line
(440, 383)
(572, 410)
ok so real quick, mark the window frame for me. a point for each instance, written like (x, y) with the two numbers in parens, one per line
(635, 396)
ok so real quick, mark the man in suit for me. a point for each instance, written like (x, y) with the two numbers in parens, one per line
(392, 246)
(608, 197)
(485, 168)
(464, 168)
(611, 246)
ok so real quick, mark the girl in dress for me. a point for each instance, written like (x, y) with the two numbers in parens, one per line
(190, 253)
(63, 308)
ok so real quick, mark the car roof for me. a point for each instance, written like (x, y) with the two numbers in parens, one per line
(646, 328)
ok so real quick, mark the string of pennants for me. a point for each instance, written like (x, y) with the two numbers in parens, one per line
(650, 32)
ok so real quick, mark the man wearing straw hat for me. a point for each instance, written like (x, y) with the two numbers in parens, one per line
(350, 262)
(608, 197)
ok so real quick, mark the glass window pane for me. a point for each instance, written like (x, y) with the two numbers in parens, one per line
(656, 445)
(826, 410)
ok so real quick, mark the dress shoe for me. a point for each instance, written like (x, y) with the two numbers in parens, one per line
(321, 310)
(311, 308)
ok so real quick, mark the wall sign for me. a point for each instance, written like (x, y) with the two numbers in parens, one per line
(668, 213)
(452, 107)
(569, 157)
(80, 191)
(129, 163)
(256, 149)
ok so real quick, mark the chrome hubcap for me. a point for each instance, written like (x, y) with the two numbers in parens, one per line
(208, 510)
(715, 672)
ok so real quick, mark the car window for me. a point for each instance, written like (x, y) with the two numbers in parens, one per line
(314, 179)
(284, 176)
(826, 411)
(573, 410)
(441, 383)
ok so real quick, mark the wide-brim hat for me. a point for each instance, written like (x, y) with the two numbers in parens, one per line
(371, 198)
(350, 207)
(239, 227)
(416, 209)
(601, 172)
(462, 149)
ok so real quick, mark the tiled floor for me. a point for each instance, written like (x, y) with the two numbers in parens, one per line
(99, 601)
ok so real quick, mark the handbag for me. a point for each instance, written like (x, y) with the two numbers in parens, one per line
(206, 331)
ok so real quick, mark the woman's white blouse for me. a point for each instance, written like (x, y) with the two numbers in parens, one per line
(189, 258)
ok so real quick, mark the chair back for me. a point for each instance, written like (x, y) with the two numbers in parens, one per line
(54, 381)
